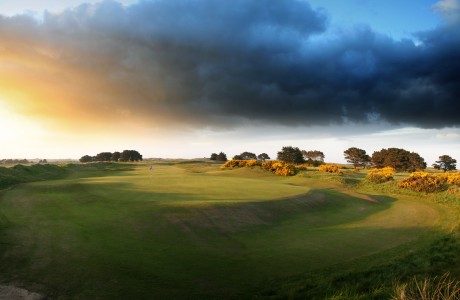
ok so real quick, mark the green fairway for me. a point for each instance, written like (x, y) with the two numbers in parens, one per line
(192, 230)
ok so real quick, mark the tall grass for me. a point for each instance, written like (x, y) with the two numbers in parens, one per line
(436, 288)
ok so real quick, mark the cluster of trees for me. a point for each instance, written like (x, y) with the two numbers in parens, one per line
(399, 159)
(10, 161)
(243, 156)
(294, 155)
(218, 157)
(249, 155)
(125, 155)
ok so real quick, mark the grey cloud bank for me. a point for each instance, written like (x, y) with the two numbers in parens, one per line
(216, 63)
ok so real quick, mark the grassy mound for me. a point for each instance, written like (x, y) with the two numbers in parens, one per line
(21, 174)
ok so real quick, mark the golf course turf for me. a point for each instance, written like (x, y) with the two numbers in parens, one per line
(190, 230)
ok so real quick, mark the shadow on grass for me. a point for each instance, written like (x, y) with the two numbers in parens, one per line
(202, 212)
(374, 280)
(99, 169)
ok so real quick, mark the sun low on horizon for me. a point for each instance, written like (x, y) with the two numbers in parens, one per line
(178, 78)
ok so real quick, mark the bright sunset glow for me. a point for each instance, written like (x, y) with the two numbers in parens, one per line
(185, 78)
(16, 127)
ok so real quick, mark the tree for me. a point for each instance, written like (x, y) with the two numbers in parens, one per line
(248, 155)
(263, 156)
(357, 157)
(86, 158)
(116, 156)
(416, 162)
(237, 157)
(130, 155)
(313, 156)
(104, 156)
(221, 157)
(445, 163)
(400, 159)
(213, 156)
(291, 154)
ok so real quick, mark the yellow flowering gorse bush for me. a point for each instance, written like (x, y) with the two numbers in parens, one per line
(303, 167)
(427, 182)
(274, 166)
(330, 168)
(235, 163)
(423, 182)
(381, 175)
(453, 178)
(279, 167)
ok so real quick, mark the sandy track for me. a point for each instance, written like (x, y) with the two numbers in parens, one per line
(8, 292)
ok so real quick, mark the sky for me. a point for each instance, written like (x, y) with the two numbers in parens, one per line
(185, 78)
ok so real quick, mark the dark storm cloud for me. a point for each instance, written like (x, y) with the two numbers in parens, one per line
(222, 62)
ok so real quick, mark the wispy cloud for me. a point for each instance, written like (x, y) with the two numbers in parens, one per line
(449, 9)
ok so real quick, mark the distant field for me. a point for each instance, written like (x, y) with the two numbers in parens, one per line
(191, 230)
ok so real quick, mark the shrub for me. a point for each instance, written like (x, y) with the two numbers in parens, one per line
(450, 178)
(423, 182)
(381, 175)
(453, 178)
(303, 167)
(234, 163)
(274, 166)
(270, 165)
(253, 163)
(279, 168)
(330, 168)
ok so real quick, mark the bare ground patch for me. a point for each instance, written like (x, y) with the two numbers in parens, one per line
(9, 292)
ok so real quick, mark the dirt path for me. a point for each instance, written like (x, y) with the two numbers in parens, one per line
(8, 292)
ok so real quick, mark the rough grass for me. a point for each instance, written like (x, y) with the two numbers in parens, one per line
(19, 174)
(191, 230)
(436, 288)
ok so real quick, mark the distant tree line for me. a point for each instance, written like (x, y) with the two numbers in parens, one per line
(14, 161)
(399, 159)
(125, 155)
